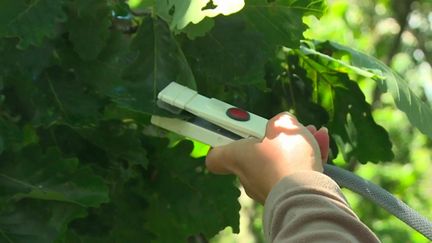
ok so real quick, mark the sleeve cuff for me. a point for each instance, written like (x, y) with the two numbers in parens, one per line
(299, 182)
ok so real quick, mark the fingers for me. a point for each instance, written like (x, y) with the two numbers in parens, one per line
(312, 129)
(216, 160)
(224, 159)
(323, 140)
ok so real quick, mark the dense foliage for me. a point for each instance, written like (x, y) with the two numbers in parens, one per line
(79, 161)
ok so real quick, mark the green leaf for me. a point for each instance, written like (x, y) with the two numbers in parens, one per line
(14, 138)
(200, 29)
(36, 221)
(30, 61)
(121, 220)
(2, 145)
(141, 4)
(89, 27)
(280, 21)
(179, 13)
(418, 112)
(75, 101)
(238, 47)
(351, 123)
(182, 197)
(158, 61)
(48, 176)
(30, 21)
(228, 54)
(121, 141)
(113, 59)
(297, 91)
(41, 192)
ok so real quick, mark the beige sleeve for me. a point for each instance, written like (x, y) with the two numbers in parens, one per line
(310, 207)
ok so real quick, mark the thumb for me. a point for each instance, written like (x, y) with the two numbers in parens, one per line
(224, 159)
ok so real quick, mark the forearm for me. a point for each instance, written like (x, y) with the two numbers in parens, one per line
(309, 207)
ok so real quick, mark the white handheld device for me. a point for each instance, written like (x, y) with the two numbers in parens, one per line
(216, 123)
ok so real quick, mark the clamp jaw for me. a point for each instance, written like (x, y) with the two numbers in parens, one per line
(213, 122)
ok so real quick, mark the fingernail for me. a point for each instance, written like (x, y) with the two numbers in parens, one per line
(312, 126)
(324, 129)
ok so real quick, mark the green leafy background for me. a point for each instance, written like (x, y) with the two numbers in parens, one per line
(80, 162)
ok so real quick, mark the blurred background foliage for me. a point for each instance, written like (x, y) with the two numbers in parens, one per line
(398, 33)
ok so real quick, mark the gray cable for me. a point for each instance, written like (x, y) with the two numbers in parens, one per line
(382, 198)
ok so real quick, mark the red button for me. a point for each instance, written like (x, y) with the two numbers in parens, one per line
(238, 114)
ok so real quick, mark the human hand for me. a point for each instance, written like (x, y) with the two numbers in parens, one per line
(288, 147)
